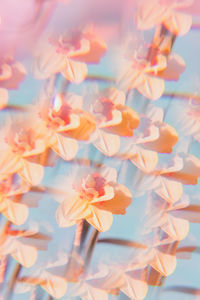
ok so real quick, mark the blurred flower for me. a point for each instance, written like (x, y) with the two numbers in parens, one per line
(11, 75)
(95, 197)
(114, 119)
(65, 122)
(69, 54)
(172, 14)
(21, 142)
(10, 203)
(147, 74)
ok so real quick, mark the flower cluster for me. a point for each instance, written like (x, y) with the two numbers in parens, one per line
(88, 134)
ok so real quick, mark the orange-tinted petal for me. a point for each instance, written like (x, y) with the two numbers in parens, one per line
(167, 139)
(178, 23)
(96, 51)
(100, 219)
(118, 204)
(3, 98)
(31, 172)
(86, 127)
(130, 121)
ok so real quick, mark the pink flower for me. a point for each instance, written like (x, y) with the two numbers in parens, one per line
(65, 122)
(173, 14)
(10, 205)
(69, 54)
(114, 119)
(147, 75)
(95, 197)
(21, 141)
(11, 75)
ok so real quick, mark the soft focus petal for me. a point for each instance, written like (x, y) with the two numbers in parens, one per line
(150, 14)
(15, 212)
(3, 98)
(26, 255)
(31, 172)
(169, 190)
(151, 87)
(165, 142)
(107, 143)
(100, 219)
(74, 71)
(175, 67)
(178, 23)
(129, 122)
(96, 51)
(48, 62)
(71, 211)
(164, 263)
(18, 75)
(176, 228)
(65, 147)
(54, 285)
(144, 159)
(118, 204)
(86, 127)
(135, 289)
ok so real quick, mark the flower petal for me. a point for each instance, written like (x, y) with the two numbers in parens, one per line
(65, 147)
(26, 255)
(71, 211)
(54, 285)
(107, 143)
(17, 213)
(74, 71)
(121, 200)
(31, 172)
(151, 87)
(100, 219)
(178, 23)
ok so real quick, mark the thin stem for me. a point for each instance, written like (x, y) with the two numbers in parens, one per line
(85, 231)
(90, 248)
(12, 282)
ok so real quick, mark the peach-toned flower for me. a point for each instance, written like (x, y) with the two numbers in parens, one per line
(167, 138)
(147, 75)
(114, 119)
(162, 260)
(69, 54)
(53, 277)
(50, 277)
(10, 205)
(130, 280)
(21, 141)
(95, 198)
(11, 75)
(151, 136)
(22, 245)
(163, 215)
(66, 122)
(189, 119)
(168, 181)
(172, 14)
